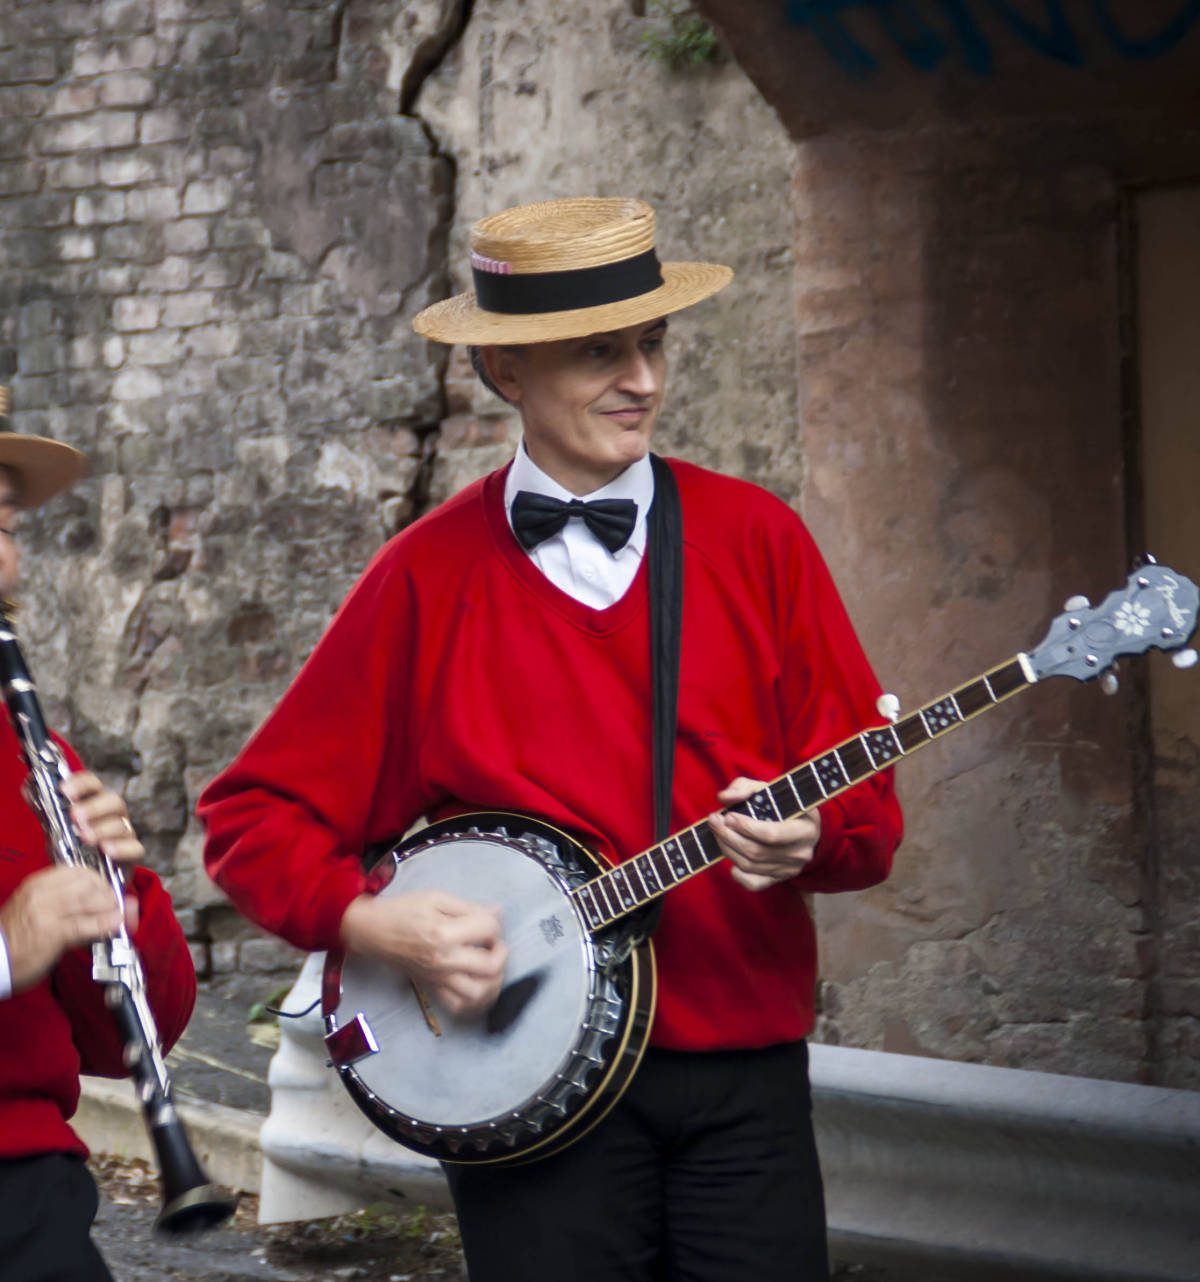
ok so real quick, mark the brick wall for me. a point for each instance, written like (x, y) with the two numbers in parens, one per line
(212, 245)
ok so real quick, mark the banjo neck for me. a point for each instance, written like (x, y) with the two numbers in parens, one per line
(639, 881)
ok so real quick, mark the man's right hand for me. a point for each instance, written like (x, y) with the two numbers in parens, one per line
(51, 911)
(450, 946)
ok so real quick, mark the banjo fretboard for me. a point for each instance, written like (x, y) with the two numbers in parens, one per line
(639, 880)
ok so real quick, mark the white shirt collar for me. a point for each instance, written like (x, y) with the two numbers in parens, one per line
(636, 482)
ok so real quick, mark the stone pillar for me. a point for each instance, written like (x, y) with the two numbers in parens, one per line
(958, 317)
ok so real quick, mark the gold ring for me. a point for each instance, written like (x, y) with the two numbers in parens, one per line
(128, 825)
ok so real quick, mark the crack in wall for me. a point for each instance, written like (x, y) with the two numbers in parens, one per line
(422, 482)
(431, 53)
(428, 56)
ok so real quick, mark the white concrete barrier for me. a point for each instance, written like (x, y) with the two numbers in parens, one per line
(933, 1169)
(951, 1170)
(225, 1140)
(320, 1154)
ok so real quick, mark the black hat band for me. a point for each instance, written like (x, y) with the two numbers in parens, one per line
(497, 290)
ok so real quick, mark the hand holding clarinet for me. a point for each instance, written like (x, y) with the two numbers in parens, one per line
(64, 906)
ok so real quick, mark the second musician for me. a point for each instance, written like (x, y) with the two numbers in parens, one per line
(55, 1022)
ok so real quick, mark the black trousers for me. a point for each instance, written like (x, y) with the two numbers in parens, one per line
(47, 1205)
(705, 1171)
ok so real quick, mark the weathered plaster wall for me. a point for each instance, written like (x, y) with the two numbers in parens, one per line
(962, 518)
(968, 371)
(1026, 923)
(541, 100)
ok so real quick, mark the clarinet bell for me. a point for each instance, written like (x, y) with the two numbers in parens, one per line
(190, 1202)
(196, 1209)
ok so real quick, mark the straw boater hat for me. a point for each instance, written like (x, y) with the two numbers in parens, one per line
(45, 467)
(566, 269)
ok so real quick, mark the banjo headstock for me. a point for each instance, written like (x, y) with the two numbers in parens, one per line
(1156, 609)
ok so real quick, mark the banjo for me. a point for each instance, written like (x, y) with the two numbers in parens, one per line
(562, 1041)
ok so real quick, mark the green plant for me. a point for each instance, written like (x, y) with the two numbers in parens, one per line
(262, 1012)
(678, 37)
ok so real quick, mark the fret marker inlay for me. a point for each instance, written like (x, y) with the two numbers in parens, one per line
(830, 774)
(882, 745)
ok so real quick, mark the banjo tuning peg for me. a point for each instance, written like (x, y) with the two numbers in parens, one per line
(1184, 658)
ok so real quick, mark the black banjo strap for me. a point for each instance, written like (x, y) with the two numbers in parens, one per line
(664, 540)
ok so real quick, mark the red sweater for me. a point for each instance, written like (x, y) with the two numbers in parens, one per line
(456, 677)
(59, 1028)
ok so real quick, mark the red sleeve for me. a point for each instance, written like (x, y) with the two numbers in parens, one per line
(170, 983)
(829, 694)
(328, 772)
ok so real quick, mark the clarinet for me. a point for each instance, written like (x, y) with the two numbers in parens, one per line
(190, 1200)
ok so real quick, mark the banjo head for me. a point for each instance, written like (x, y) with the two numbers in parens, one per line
(489, 1086)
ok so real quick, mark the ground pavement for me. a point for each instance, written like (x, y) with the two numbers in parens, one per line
(222, 1061)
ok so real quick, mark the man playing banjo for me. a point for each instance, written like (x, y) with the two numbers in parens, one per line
(497, 656)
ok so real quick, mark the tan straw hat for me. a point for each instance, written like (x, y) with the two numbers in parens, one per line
(45, 467)
(565, 269)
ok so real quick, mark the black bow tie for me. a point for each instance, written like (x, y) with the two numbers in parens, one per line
(536, 517)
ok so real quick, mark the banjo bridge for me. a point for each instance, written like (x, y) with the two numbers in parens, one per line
(431, 1019)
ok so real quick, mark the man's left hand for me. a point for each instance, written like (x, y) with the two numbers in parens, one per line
(101, 818)
(763, 851)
